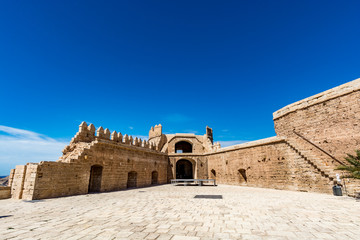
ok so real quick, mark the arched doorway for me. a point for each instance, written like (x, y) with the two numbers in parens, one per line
(183, 147)
(95, 178)
(184, 169)
(154, 177)
(132, 179)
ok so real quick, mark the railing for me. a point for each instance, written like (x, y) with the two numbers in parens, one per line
(322, 150)
(199, 182)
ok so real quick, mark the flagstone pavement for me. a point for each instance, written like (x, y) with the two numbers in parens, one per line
(172, 212)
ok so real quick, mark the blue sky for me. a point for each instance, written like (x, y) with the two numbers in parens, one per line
(128, 65)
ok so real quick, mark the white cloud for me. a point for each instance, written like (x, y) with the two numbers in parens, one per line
(231, 143)
(131, 128)
(19, 146)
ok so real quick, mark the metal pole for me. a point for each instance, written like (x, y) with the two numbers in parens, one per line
(344, 184)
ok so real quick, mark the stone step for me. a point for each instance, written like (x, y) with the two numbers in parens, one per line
(311, 160)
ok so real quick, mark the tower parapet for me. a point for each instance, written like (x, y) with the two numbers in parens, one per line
(209, 134)
(88, 134)
(155, 131)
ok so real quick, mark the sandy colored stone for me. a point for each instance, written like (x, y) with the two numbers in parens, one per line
(313, 137)
(254, 213)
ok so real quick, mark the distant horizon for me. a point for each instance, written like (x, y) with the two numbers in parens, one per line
(128, 65)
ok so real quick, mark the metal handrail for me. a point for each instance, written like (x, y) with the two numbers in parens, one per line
(331, 156)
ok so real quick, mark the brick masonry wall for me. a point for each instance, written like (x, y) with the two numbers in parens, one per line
(352, 187)
(270, 165)
(55, 179)
(333, 123)
(330, 120)
(5, 192)
(29, 181)
(18, 182)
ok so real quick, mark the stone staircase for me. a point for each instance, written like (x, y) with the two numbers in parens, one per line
(324, 164)
(320, 162)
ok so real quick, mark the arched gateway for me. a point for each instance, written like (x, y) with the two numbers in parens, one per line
(183, 147)
(184, 169)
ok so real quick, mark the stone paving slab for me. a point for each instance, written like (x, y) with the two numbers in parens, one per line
(171, 212)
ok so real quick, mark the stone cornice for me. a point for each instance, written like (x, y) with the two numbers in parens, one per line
(319, 98)
(257, 143)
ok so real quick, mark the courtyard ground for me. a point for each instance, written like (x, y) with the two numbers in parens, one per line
(172, 212)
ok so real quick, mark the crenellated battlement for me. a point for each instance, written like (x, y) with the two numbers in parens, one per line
(88, 133)
(155, 131)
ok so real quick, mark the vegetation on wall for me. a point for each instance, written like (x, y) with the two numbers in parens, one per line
(353, 167)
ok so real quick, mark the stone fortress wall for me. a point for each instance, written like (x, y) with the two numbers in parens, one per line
(313, 137)
(269, 163)
(329, 120)
(92, 163)
(324, 127)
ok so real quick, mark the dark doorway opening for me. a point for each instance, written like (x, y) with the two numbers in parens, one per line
(213, 174)
(242, 173)
(154, 177)
(184, 169)
(95, 179)
(132, 179)
(183, 147)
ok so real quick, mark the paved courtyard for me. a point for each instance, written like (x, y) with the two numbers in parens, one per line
(172, 212)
